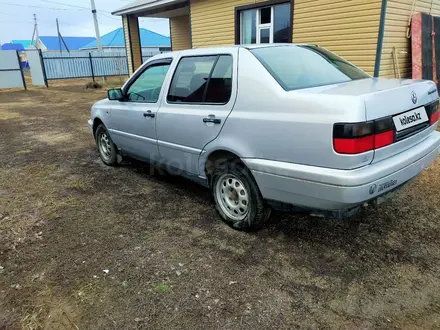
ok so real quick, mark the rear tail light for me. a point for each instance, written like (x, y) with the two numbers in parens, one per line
(356, 138)
(383, 139)
(353, 146)
(433, 112)
(434, 117)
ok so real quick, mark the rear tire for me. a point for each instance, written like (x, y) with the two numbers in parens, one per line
(237, 197)
(107, 149)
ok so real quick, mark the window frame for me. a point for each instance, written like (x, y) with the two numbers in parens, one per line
(271, 3)
(131, 81)
(207, 83)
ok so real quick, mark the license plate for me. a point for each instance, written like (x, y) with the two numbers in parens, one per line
(410, 119)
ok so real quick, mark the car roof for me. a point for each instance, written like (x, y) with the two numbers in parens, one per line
(250, 46)
(219, 49)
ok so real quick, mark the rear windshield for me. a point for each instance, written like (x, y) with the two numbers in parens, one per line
(296, 67)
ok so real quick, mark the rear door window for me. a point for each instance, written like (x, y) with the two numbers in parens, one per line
(202, 79)
(296, 67)
(220, 83)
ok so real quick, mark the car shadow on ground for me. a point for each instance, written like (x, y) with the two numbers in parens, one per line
(293, 226)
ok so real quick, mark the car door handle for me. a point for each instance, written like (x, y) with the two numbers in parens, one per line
(149, 114)
(212, 120)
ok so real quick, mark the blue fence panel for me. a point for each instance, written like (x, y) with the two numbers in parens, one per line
(83, 64)
(69, 67)
(110, 66)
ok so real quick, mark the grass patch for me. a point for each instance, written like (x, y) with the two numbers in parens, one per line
(6, 115)
(162, 288)
(77, 184)
(22, 152)
(52, 138)
(93, 85)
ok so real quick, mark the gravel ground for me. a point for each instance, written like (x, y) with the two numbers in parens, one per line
(85, 246)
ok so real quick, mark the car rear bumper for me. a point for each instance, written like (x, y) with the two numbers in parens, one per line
(333, 190)
(90, 124)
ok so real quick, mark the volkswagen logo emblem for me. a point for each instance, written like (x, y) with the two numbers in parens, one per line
(413, 97)
(373, 189)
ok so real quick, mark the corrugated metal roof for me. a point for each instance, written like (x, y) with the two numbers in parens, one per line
(116, 39)
(12, 46)
(52, 43)
(73, 43)
(25, 43)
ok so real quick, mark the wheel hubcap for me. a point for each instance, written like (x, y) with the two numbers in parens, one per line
(232, 196)
(104, 145)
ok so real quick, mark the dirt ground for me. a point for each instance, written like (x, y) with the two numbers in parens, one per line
(85, 246)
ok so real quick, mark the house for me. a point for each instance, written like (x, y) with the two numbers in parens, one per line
(51, 43)
(363, 32)
(114, 41)
(24, 43)
(11, 46)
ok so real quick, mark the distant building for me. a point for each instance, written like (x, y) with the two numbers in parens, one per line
(51, 43)
(114, 41)
(24, 43)
(20, 49)
(11, 46)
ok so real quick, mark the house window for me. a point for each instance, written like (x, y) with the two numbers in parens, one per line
(267, 24)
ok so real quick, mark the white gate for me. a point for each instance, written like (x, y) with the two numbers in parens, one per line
(35, 61)
(11, 74)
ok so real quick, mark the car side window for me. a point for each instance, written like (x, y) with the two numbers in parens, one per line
(220, 83)
(202, 79)
(146, 88)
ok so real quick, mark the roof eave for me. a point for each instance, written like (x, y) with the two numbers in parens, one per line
(150, 5)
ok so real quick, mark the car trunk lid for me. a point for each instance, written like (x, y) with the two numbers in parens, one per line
(407, 102)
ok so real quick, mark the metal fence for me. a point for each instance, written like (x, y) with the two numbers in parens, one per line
(86, 64)
(11, 72)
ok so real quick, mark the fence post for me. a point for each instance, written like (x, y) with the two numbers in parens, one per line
(21, 70)
(40, 54)
(91, 66)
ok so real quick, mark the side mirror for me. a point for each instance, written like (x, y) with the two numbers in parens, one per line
(115, 94)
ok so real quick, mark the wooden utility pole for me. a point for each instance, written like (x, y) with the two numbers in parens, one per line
(95, 21)
(61, 39)
(98, 35)
(35, 34)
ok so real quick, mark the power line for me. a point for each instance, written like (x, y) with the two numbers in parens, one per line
(73, 6)
(16, 22)
(30, 6)
(44, 22)
(65, 4)
(110, 17)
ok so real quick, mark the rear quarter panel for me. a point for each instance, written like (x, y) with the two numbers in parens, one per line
(268, 122)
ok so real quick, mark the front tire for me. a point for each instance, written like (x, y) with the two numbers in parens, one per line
(107, 149)
(237, 197)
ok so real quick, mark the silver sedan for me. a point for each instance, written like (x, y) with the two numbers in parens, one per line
(275, 126)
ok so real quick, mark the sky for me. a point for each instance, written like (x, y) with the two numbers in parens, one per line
(75, 18)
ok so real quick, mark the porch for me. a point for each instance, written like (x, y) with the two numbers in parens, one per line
(178, 13)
